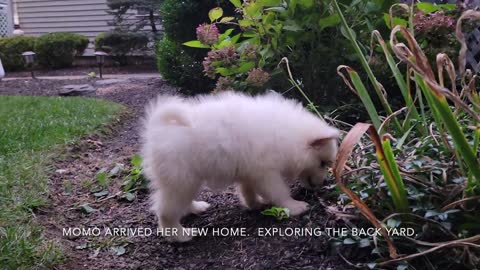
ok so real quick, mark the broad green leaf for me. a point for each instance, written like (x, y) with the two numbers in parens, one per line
(329, 21)
(244, 67)
(87, 209)
(426, 7)
(101, 193)
(215, 14)
(136, 161)
(227, 19)
(396, 21)
(365, 242)
(269, 3)
(236, 3)
(196, 44)
(253, 10)
(349, 241)
(245, 23)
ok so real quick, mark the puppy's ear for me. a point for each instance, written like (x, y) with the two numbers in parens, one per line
(324, 137)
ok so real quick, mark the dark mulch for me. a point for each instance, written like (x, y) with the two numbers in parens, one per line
(83, 160)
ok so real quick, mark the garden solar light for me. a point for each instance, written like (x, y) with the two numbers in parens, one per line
(100, 61)
(29, 60)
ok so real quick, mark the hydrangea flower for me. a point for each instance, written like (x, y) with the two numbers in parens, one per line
(207, 33)
(257, 77)
(227, 55)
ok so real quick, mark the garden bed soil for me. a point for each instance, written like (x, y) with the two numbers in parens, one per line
(79, 164)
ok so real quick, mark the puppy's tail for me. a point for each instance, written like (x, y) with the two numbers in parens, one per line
(167, 110)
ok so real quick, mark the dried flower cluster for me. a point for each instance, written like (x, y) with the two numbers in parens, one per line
(207, 33)
(257, 77)
(433, 23)
(227, 55)
(224, 84)
(249, 52)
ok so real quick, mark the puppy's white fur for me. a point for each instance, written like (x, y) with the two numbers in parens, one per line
(259, 143)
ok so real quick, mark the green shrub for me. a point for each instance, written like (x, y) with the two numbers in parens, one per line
(119, 44)
(11, 50)
(58, 50)
(306, 32)
(178, 67)
(180, 18)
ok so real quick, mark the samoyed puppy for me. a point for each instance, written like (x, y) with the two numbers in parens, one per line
(260, 144)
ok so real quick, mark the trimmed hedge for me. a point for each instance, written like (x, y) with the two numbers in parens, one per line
(178, 67)
(58, 50)
(119, 44)
(11, 49)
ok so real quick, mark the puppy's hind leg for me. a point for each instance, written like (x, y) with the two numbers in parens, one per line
(274, 189)
(170, 205)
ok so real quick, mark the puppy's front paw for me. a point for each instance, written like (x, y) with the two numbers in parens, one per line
(296, 207)
(199, 207)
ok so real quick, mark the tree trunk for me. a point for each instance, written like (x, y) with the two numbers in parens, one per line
(151, 17)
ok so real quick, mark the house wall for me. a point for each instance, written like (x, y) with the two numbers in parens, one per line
(86, 17)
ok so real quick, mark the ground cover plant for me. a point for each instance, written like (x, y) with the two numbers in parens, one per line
(420, 169)
(33, 130)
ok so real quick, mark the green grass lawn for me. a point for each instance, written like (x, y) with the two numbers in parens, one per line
(31, 130)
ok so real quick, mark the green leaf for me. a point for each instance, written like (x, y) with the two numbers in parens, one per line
(227, 19)
(87, 209)
(119, 250)
(349, 241)
(329, 21)
(253, 10)
(393, 223)
(196, 44)
(396, 21)
(101, 193)
(116, 170)
(426, 7)
(269, 3)
(136, 161)
(236, 3)
(365, 242)
(245, 23)
(129, 196)
(244, 67)
(215, 14)
(102, 178)
(277, 212)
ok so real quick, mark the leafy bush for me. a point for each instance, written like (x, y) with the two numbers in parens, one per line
(423, 173)
(11, 49)
(58, 50)
(305, 32)
(120, 44)
(180, 18)
(178, 67)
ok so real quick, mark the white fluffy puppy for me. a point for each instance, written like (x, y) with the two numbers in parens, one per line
(259, 143)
